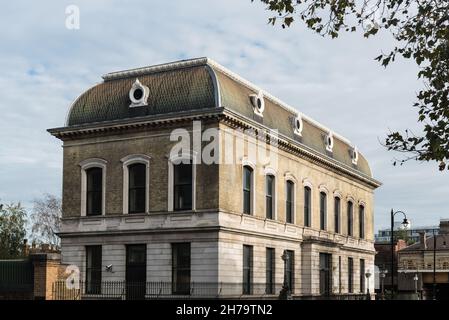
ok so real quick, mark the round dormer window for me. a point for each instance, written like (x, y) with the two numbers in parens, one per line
(138, 94)
(329, 141)
(257, 100)
(297, 125)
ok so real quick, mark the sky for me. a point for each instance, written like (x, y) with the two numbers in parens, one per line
(45, 66)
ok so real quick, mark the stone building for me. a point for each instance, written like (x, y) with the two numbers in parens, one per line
(136, 211)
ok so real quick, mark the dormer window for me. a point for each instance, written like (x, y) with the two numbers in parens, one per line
(354, 155)
(329, 140)
(258, 103)
(297, 125)
(138, 94)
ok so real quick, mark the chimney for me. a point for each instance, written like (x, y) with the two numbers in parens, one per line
(444, 226)
(422, 240)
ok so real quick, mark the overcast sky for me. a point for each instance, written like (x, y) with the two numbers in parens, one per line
(45, 66)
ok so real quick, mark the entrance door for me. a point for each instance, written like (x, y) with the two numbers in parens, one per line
(325, 274)
(136, 269)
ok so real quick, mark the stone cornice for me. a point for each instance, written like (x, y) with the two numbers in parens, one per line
(230, 118)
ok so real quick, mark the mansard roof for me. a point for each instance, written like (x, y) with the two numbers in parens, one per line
(198, 85)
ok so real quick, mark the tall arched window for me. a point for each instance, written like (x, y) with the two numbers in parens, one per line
(323, 210)
(94, 191)
(307, 206)
(290, 201)
(182, 186)
(350, 218)
(247, 190)
(136, 183)
(93, 187)
(361, 222)
(337, 205)
(136, 188)
(269, 196)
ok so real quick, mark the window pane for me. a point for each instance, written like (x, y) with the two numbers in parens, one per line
(323, 209)
(137, 188)
(94, 192)
(269, 186)
(350, 218)
(247, 177)
(350, 275)
(181, 268)
(93, 269)
(247, 269)
(289, 202)
(183, 186)
(290, 269)
(270, 271)
(307, 200)
(337, 214)
(362, 222)
(362, 275)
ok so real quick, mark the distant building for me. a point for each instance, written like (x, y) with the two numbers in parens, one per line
(412, 234)
(429, 261)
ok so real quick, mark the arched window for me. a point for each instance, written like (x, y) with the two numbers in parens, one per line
(350, 218)
(323, 210)
(94, 191)
(307, 206)
(136, 177)
(290, 201)
(247, 190)
(183, 186)
(269, 196)
(337, 208)
(136, 188)
(93, 186)
(361, 222)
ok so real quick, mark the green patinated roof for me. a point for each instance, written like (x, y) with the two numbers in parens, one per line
(200, 84)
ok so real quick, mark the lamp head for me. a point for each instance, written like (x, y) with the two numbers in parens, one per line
(405, 222)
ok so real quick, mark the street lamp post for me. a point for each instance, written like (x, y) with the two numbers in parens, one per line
(285, 292)
(382, 275)
(405, 223)
(367, 275)
(415, 278)
(434, 293)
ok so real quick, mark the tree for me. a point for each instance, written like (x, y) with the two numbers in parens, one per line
(46, 219)
(421, 30)
(12, 230)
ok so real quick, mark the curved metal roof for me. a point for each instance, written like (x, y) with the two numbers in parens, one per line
(199, 84)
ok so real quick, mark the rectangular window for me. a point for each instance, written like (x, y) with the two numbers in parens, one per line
(247, 193)
(362, 222)
(94, 192)
(182, 186)
(325, 274)
(290, 269)
(93, 269)
(270, 271)
(181, 268)
(350, 275)
(337, 214)
(289, 208)
(339, 274)
(362, 275)
(307, 204)
(269, 196)
(136, 271)
(350, 218)
(247, 269)
(137, 188)
(323, 210)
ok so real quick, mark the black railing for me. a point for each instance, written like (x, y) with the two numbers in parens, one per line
(122, 290)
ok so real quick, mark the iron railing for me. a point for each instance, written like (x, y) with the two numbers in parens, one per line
(121, 290)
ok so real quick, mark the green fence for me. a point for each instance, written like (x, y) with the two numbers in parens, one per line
(16, 276)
